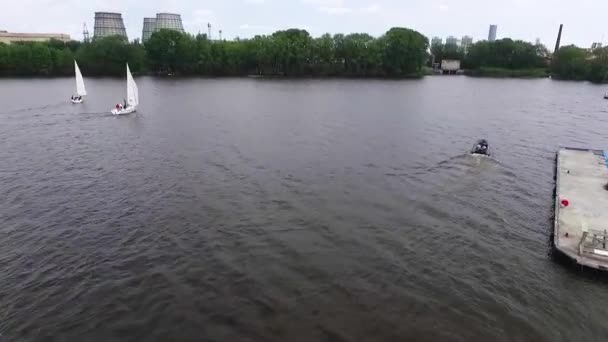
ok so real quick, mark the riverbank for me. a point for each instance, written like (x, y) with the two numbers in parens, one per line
(508, 73)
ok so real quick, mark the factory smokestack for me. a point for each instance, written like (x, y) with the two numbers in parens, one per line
(559, 38)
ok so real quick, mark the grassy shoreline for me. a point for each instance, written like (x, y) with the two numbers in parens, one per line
(508, 73)
(424, 72)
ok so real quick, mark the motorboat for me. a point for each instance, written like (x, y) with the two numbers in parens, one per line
(481, 148)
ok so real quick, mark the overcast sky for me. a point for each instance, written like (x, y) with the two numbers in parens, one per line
(584, 20)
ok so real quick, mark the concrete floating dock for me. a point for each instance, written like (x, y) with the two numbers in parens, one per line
(581, 206)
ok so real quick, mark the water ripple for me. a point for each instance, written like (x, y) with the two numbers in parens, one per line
(265, 210)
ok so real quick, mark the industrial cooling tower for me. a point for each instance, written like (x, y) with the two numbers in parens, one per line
(149, 28)
(169, 21)
(109, 24)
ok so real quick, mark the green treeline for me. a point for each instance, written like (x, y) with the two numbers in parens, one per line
(574, 63)
(509, 58)
(56, 58)
(505, 54)
(400, 52)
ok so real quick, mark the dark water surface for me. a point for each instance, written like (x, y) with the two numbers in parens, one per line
(314, 210)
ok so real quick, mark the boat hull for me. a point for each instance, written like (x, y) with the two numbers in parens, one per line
(127, 110)
(77, 101)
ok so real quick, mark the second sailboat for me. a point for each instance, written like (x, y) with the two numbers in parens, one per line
(129, 105)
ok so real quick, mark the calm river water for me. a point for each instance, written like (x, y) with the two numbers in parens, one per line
(276, 210)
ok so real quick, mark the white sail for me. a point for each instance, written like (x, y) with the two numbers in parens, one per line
(80, 89)
(132, 91)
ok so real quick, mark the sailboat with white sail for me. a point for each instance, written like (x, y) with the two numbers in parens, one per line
(132, 100)
(80, 89)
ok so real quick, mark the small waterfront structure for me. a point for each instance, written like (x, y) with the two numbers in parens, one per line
(11, 37)
(581, 206)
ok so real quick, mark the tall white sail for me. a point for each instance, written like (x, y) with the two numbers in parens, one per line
(132, 91)
(80, 89)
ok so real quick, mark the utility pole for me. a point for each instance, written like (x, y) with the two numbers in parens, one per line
(220, 34)
(209, 31)
(85, 33)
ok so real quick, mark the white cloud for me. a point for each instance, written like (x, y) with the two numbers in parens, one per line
(197, 21)
(255, 27)
(326, 3)
(335, 10)
(67, 16)
(202, 12)
(371, 9)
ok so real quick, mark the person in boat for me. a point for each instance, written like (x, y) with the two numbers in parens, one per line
(72, 97)
(481, 147)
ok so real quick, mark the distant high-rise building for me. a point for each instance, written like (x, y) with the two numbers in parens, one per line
(436, 41)
(537, 42)
(451, 40)
(466, 41)
(596, 45)
(492, 33)
(109, 24)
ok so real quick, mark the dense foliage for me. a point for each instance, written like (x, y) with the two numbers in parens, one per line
(398, 53)
(447, 51)
(507, 54)
(55, 58)
(573, 63)
(501, 58)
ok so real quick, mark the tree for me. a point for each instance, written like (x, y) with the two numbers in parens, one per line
(505, 53)
(109, 55)
(570, 62)
(598, 65)
(404, 52)
(358, 55)
(323, 55)
(41, 62)
(63, 62)
(167, 49)
(292, 51)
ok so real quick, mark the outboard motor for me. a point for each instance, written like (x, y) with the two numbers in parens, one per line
(481, 147)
